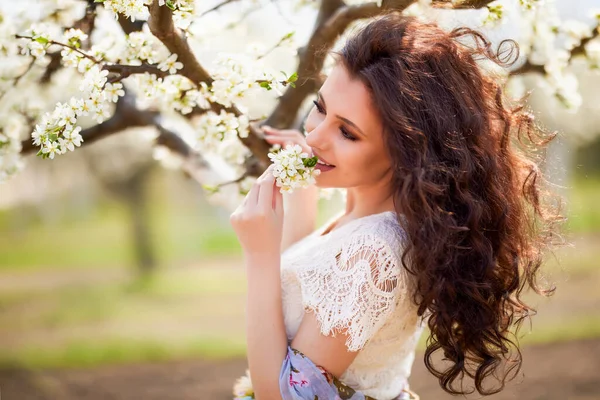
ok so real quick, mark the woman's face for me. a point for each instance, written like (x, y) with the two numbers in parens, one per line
(345, 131)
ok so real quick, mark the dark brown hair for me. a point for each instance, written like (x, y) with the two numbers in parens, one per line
(466, 185)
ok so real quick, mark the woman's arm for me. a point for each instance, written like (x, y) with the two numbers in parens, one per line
(258, 223)
(265, 330)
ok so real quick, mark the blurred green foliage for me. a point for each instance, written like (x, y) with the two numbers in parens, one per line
(76, 300)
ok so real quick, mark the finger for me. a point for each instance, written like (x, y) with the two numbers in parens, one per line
(286, 134)
(252, 197)
(281, 132)
(277, 201)
(265, 197)
(276, 140)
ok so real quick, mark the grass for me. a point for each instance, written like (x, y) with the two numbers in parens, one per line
(121, 301)
(101, 237)
(113, 351)
(583, 212)
(123, 322)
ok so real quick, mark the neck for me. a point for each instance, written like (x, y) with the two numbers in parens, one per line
(366, 200)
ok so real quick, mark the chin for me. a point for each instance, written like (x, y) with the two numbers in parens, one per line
(326, 184)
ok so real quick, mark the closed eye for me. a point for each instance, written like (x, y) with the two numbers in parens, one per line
(346, 134)
(319, 108)
(343, 130)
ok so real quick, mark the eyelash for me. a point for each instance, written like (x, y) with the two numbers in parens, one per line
(343, 130)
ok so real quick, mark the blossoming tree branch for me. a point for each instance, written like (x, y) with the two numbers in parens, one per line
(136, 67)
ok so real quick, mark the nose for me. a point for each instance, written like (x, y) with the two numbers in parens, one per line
(316, 138)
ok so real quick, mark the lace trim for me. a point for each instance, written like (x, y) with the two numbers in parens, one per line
(354, 289)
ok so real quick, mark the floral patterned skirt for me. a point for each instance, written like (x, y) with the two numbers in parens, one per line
(301, 379)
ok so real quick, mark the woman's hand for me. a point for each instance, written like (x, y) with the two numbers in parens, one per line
(283, 137)
(258, 221)
(300, 206)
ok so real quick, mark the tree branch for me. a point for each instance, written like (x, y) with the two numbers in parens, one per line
(126, 116)
(125, 71)
(128, 25)
(162, 26)
(463, 5)
(333, 19)
(86, 24)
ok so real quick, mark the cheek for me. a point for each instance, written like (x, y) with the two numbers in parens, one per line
(365, 159)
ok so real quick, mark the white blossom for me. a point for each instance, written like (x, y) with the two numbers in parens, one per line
(112, 91)
(592, 51)
(74, 37)
(133, 9)
(51, 148)
(574, 32)
(242, 387)
(293, 168)
(494, 13)
(170, 64)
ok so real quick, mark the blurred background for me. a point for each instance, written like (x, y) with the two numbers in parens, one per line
(120, 279)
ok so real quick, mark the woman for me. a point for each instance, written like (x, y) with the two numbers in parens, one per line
(444, 225)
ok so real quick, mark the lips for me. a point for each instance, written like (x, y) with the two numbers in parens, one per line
(322, 161)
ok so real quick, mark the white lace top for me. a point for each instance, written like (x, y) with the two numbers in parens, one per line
(352, 278)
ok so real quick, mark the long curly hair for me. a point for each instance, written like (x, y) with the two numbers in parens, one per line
(468, 187)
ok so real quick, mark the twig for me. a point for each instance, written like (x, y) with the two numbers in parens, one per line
(238, 180)
(283, 39)
(64, 45)
(125, 71)
(215, 8)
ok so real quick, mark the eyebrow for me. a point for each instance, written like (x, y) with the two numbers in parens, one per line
(346, 120)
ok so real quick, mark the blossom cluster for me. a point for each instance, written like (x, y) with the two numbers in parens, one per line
(236, 74)
(133, 9)
(57, 133)
(183, 11)
(39, 43)
(493, 13)
(220, 133)
(550, 41)
(242, 389)
(293, 168)
(173, 92)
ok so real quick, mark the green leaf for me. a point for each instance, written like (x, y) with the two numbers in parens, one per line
(39, 153)
(210, 188)
(310, 162)
(53, 137)
(266, 85)
(98, 1)
(41, 40)
(289, 35)
(293, 77)
(292, 84)
(169, 3)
